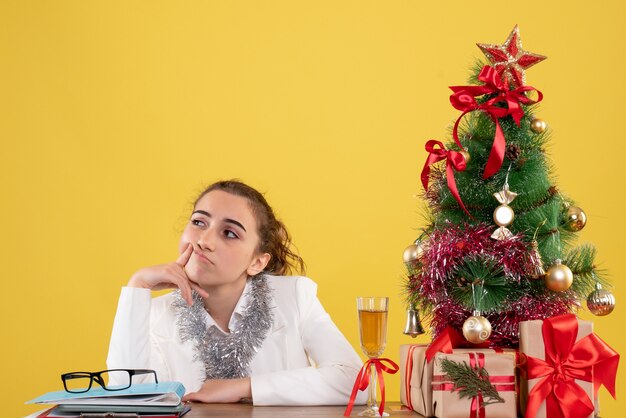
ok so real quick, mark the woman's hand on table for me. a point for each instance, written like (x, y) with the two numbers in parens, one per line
(222, 391)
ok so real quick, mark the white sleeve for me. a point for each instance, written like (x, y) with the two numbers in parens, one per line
(131, 346)
(337, 364)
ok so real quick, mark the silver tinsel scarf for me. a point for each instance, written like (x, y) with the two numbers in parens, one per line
(227, 356)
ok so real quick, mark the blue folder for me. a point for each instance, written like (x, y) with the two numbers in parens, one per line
(146, 394)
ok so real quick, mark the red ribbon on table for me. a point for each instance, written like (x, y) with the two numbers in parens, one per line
(477, 408)
(363, 381)
(454, 161)
(589, 359)
(464, 99)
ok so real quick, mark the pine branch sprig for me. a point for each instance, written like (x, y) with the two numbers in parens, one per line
(469, 382)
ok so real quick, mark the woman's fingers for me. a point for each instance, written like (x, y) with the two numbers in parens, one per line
(186, 285)
(183, 283)
(170, 275)
(198, 289)
(221, 390)
(193, 396)
(184, 256)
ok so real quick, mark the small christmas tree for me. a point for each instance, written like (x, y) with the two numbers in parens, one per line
(499, 245)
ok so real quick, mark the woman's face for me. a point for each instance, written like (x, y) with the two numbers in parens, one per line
(223, 232)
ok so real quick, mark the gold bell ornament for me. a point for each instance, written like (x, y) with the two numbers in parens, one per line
(600, 302)
(477, 328)
(539, 270)
(413, 325)
(559, 277)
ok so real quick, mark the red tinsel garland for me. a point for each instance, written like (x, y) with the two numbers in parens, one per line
(446, 248)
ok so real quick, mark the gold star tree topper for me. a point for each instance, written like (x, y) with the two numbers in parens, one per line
(510, 60)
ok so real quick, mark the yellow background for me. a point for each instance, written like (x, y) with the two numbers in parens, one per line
(114, 114)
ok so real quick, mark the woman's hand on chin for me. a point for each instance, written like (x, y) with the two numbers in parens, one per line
(169, 276)
(222, 391)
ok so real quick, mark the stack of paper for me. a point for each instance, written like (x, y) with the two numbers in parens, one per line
(143, 400)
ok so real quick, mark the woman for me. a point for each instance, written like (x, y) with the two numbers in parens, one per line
(235, 328)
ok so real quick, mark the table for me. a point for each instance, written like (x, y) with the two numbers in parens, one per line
(199, 410)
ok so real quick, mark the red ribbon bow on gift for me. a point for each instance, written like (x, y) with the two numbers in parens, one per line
(363, 381)
(448, 340)
(589, 359)
(464, 99)
(454, 161)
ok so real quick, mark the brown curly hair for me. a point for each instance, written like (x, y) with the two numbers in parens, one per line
(274, 238)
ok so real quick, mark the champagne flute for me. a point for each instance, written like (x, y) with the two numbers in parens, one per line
(373, 332)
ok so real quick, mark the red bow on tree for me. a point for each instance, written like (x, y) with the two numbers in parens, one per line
(464, 99)
(590, 359)
(454, 161)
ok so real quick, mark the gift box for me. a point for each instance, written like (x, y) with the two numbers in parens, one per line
(565, 366)
(416, 374)
(447, 399)
(415, 379)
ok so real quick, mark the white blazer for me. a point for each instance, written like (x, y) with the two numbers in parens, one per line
(304, 360)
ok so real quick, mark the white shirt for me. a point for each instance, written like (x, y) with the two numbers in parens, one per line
(304, 359)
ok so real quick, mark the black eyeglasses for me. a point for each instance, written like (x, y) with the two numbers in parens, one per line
(113, 379)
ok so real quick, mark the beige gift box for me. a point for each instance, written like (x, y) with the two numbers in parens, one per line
(531, 344)
(415, 378)
(416, 375)
(501, 368)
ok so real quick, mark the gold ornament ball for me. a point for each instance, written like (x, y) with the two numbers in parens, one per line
(600, 302)
(412, 253)
(465, 155)
(559, 277)
(538, 125)
(477, 329)
(576, 218)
